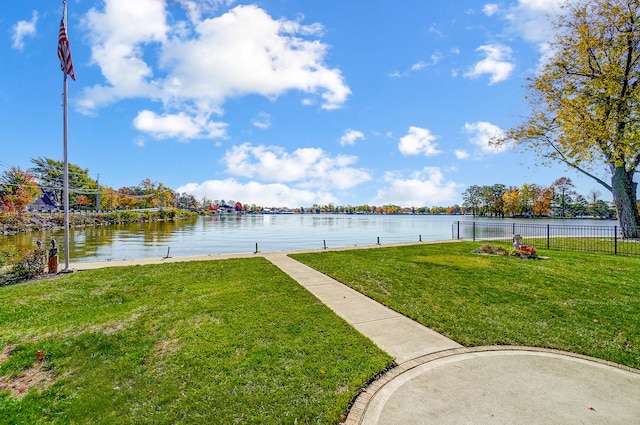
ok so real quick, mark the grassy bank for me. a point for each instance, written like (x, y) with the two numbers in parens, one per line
(230, 341)
(574, 301)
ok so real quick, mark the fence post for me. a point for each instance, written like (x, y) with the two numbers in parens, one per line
(458, 230)
(473, 232)
(615, 240)
(548, 235)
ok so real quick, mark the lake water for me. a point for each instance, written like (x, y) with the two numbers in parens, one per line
(226, 234)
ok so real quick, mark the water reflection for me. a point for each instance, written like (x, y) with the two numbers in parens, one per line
(234, 234)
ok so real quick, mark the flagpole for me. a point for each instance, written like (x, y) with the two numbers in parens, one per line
(66, 161)
(65, 178)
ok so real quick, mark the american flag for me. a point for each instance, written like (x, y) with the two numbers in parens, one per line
(63, 48)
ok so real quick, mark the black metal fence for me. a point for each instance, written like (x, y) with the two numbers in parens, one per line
(606, 239)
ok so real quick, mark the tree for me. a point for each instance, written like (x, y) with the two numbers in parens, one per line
(526, 195)
(17, 190)
(510, 198)
(594, 195)
(157, 194)
(83, 201)
(542, 197)
(109, 198)
(471, 198)
(579, 206)
(599, 209)
(585, 102)
(49, 173)
(563, 188)
(187, 201)
(495, 197)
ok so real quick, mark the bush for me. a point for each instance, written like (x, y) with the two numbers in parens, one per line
(12, 222)
(123, 217)
(21, 265)
(491, 249)
(6, 256)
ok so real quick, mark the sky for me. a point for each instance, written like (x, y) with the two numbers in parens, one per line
(280, 102)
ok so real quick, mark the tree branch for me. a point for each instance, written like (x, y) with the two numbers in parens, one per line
(574, 165)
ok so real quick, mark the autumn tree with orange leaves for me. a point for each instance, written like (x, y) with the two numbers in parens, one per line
(17, 190)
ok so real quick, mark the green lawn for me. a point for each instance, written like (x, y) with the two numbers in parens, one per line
(575, 301)
(229, 341)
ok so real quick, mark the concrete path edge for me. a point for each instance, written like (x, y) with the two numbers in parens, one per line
(364, 400)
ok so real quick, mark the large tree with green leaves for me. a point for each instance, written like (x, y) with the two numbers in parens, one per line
(585, 101)
(49, 173)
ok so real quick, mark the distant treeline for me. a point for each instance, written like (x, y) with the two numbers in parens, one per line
(14, 223)
(532, 200)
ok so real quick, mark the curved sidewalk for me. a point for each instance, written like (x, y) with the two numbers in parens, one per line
(438, 381)
(501, 385)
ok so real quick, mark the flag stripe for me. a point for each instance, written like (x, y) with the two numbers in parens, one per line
(63, 50)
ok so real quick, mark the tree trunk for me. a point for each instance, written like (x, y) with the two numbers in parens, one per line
(624, 197)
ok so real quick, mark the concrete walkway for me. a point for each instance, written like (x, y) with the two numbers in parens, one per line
(437, 381)
(399, 336)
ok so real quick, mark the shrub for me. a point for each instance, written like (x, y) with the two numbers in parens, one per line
(491, 249)
(20, 265)
(126, 217)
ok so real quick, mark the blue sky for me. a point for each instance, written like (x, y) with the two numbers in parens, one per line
(280, 102)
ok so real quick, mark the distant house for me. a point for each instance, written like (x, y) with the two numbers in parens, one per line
(46, 202)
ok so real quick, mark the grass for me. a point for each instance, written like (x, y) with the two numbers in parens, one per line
(238, 341)
(229, 341)
(593, 244)
(581, 302)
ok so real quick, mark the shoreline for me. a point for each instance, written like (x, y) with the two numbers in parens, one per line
(42, 221)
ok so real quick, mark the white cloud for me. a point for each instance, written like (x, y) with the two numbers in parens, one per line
(180, 126)
(531, 19)
(419, 141)
(276, 177)
(490, 9)
(195, 9)
(436, 31)
(350, 137)
(497, 63)
(461, 154)
(305, 168)
(418, 66)
(245, 51)
(194, 67)
(426, 187)
(263, 121)
(481, 133)
(117, 37)
(265, 195)
(24, 29)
